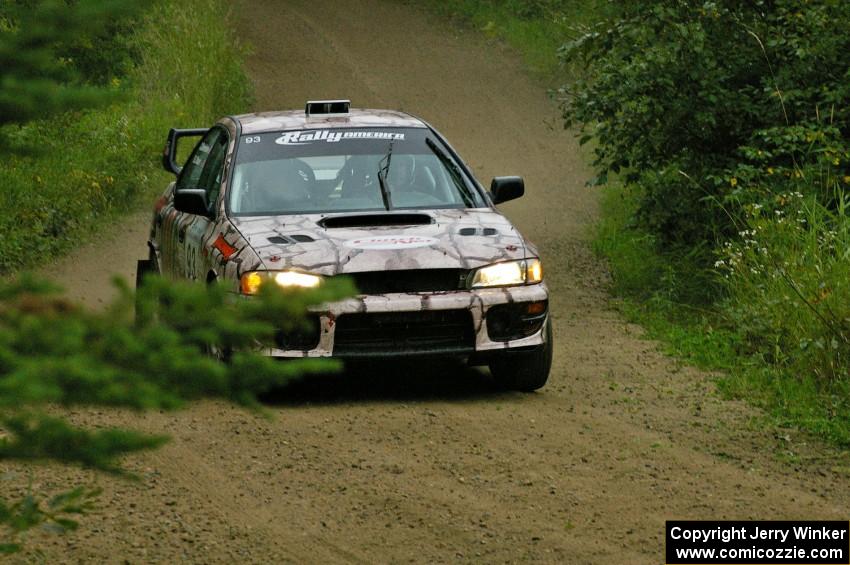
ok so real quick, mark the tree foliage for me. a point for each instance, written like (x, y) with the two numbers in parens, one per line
(157, 351)
(147, 351)
(699, 102)
(56, 55)
(56, 512)
(728, 123)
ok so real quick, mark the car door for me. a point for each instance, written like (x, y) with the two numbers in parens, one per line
(175, 222)
(181, 259)
(199, 227)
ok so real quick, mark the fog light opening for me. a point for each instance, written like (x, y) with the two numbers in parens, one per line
(508, 322)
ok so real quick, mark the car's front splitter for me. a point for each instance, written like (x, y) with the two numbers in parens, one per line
(476, 302)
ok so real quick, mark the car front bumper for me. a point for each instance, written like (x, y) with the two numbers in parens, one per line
(439, 308)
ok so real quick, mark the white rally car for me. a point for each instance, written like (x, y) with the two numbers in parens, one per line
(292, 198)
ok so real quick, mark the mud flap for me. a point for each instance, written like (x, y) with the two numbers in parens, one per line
(143, 268)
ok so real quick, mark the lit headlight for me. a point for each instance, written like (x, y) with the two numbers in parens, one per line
(251, 282)
(525, 271)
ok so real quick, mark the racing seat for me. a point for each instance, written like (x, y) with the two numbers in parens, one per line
(360, 189)
(418, 188)
(281, 186)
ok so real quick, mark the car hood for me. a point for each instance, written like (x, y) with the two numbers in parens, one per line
(330, 244)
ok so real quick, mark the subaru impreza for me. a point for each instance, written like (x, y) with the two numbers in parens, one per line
(294, 198)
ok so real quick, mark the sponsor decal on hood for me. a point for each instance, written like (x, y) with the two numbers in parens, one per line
(391, 242)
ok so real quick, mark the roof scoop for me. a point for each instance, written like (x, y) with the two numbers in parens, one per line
(327, 107)
(375, 220)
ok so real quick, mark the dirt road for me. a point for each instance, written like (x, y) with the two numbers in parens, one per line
(431, 464)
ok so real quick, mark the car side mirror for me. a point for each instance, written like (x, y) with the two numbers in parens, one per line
(503, 189)
(169, 154)
(192, 201)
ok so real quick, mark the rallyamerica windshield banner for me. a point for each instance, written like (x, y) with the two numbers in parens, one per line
(758, 542)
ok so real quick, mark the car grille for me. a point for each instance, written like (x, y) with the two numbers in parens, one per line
(404, 333)
(411, 280)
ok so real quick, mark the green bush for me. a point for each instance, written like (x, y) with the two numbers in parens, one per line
(681, 95)
(49, 50)
(109, 55)
(176, 65)
(76, 170)
(727, 125)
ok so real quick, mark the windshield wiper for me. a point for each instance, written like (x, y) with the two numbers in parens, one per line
(383, 171)
(457, 176)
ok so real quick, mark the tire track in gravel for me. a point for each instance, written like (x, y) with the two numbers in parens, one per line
(430, 463)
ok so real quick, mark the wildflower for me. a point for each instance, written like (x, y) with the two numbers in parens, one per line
(770, 170)
(847, 179)
(733, 181)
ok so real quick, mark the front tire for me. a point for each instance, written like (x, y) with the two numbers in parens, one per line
(526, 371)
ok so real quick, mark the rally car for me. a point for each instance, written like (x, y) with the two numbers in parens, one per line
(292, 198)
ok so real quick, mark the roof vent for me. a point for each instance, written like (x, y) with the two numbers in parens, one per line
(327, 107)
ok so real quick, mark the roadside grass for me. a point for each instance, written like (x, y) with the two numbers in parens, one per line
(536, 28)
(82, 170)
(655, 291)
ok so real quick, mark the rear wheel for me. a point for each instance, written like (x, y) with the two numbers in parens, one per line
(526, 371)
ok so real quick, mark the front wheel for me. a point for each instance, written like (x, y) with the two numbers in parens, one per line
(526, 371)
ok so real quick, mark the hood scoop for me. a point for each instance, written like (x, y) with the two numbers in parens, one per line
(375, 220)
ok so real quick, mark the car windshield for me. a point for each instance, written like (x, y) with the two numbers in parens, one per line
(336, 170)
